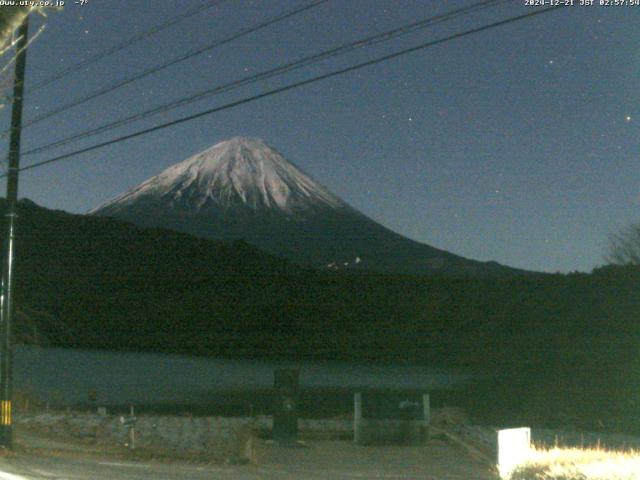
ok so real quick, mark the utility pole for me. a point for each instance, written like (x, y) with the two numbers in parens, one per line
(7, 307)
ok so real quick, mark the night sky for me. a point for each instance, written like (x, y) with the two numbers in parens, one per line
(519, 144)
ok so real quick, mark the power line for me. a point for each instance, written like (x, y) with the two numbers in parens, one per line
(181, 58)
(288, 67)
(124, 44)
(291, 87)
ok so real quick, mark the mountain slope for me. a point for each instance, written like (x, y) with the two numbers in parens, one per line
(244, 189)
(240, 173)
(562, 347)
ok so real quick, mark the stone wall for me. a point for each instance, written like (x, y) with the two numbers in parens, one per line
(220, 436)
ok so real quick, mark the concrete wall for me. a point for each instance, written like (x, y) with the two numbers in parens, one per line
(397, 431)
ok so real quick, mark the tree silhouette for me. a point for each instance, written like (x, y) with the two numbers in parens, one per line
(624, 246)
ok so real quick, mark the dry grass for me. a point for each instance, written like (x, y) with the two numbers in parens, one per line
(579, 464)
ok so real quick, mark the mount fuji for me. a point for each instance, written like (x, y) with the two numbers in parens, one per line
(243, 189)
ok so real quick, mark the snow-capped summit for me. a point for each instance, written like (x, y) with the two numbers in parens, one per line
(244, 189)
(237, 172)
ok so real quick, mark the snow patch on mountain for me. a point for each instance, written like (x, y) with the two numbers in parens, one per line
(239, 171)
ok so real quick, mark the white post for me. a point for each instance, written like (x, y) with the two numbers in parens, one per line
(357, 416)
(514, 445)
(427, 409)
(132, 432)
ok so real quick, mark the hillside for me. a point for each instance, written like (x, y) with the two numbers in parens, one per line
(569, 341)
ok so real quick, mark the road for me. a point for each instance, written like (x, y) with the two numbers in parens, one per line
(320, 460)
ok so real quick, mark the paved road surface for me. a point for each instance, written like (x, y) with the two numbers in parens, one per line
(321, 460)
